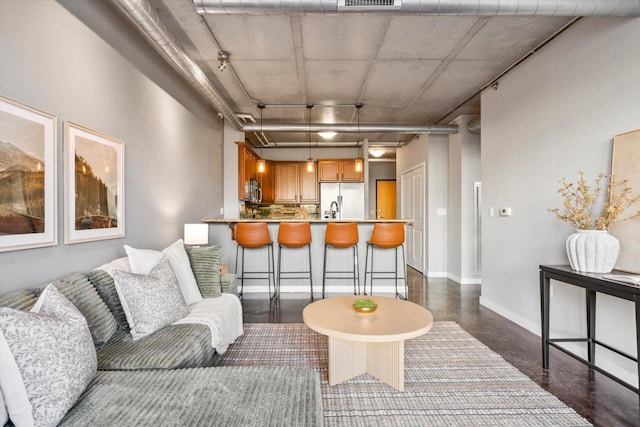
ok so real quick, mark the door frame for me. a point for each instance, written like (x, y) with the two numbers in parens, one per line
(422, 165)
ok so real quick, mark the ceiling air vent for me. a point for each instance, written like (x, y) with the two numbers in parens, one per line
(369, 5)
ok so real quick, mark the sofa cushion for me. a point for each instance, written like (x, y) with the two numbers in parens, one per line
(48, 358)
(106, 288)
(229, 283)
(176, 346)
(143, 260)
(22, 299)
(205, 263)
(226, 396)
(152, 301)
(80, 291)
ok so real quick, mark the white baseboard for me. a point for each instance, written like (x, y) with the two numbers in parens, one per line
(437, 274)
(515, 318)
(534, 328)
(464, 281)
(344, 289)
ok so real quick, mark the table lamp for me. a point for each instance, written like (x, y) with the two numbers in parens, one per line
(196, 234)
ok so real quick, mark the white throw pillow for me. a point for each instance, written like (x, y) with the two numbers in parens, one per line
(182, 267)
(143, 260)
(48, 359)
(121, 264)
(150, 302)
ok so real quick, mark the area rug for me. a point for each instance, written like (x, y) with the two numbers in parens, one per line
(451, 379)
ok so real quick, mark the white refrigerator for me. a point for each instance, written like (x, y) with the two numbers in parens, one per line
(349, 196)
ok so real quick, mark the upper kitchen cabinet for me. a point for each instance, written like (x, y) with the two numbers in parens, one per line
(267, 182)
(247, 160)
(343, 170)
(294, 184)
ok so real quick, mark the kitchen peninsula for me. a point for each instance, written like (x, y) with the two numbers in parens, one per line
(221, 232)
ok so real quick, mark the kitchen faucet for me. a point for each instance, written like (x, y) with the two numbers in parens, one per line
(333, 212)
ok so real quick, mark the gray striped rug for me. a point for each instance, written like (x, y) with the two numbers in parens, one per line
(451, 379)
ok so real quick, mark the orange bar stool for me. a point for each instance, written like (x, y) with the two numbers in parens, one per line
(294, 235)
(255, 235)
(386, 235)
(342, 235)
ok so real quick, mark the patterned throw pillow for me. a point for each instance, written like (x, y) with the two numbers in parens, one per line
(47, 358)
(150, 302)
(205, 263)
(143, 260)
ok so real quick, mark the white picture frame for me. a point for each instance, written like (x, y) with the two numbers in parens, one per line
(94, 190)
(28, 211)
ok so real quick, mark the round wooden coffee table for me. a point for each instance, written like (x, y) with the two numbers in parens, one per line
(367, 343)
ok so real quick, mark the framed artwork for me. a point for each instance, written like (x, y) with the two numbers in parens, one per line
(27, 177)
(94, 193)
(624, 165)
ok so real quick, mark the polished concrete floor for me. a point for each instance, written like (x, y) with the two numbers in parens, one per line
(599, 399)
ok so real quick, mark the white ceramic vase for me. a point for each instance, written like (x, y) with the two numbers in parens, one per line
(592, 251)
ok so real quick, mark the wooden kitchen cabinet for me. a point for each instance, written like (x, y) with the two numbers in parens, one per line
(247, 160)
(308, 184)
(294, 184)
(267, 182)
(349, 172)
(342, 170)
(248, 168)
(328, 170)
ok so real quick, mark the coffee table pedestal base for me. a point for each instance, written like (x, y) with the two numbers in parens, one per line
(383, 360)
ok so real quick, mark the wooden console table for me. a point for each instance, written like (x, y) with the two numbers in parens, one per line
(592, 283)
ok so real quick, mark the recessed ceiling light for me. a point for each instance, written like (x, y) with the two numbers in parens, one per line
(327, 135)
(376, 152)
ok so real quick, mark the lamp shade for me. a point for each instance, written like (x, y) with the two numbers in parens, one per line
(196, 234)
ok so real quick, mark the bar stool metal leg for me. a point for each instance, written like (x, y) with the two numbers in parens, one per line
(366, 270)
(279, 267)
(324, 269)
(404, 267)
(310, 271)
(356, 273)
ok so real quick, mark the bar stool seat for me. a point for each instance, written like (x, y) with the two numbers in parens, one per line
(386, 235)
(342, 235)
(255, 235)
(294, 235)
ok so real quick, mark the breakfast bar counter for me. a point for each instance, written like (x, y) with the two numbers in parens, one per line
(221, 233)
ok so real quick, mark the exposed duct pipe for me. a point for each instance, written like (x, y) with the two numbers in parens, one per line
(425, 7)
(146, 20)
(349, 128)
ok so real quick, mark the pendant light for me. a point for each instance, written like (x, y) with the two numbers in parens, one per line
(262, 164)
(359, 160)
(310, 163)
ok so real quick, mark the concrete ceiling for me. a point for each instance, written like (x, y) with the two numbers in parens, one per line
(404, 69)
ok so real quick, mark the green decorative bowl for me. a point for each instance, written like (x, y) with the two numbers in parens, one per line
(364, 306)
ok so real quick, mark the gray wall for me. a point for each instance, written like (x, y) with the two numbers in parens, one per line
(437, 170)
(81, 61)
(552, 116)
(464, 170)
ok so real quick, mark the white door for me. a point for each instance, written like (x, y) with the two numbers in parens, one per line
(412, 193)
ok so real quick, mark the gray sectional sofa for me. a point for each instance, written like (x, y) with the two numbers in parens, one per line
(169, 377)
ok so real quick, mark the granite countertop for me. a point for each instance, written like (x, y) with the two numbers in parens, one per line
(313, 221)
